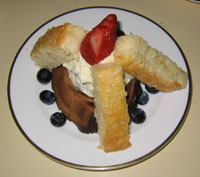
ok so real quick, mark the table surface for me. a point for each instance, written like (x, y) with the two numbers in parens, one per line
(18, 19)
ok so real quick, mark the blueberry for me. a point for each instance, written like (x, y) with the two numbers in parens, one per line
(58, 119)
(93, 125)
(47, 97)
(138, 116)
(44, 76)
(120, 33)
(152, 90)
(143, 98)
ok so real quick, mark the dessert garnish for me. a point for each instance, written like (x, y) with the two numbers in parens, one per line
(44, 76)
(138, 115)
(100, 42)
(47, 97)
(58, 119)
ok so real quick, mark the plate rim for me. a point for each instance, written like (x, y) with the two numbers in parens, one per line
(118, 166)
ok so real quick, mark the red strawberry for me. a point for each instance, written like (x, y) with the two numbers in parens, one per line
(99, 43)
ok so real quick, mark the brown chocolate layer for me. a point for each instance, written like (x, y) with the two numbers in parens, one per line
(75, 105)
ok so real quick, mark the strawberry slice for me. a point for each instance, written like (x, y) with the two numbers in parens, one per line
(99, 43)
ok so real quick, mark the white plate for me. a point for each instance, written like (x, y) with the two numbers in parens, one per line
(196, 1)
(166, 112)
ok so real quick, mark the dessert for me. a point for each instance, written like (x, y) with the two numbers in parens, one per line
(79, 107)
(148, 65)
(111, 108)
(88, 73)
(57, 46)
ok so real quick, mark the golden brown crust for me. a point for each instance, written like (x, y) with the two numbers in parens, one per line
(111, 107)
(53, 38)
(58, 45)
(148, 77)
(148, 65)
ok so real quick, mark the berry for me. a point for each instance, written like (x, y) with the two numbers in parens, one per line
(138, 116)
(58, 119)
(100, 42)
(143, 98)
(47, 97)
(44, 76)
(152, 90)
(120, 33)
(93, 125)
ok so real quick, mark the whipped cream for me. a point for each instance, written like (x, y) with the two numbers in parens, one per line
(80, 73)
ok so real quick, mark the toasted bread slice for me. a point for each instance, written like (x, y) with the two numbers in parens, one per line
(111, 107)
(148, 65)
